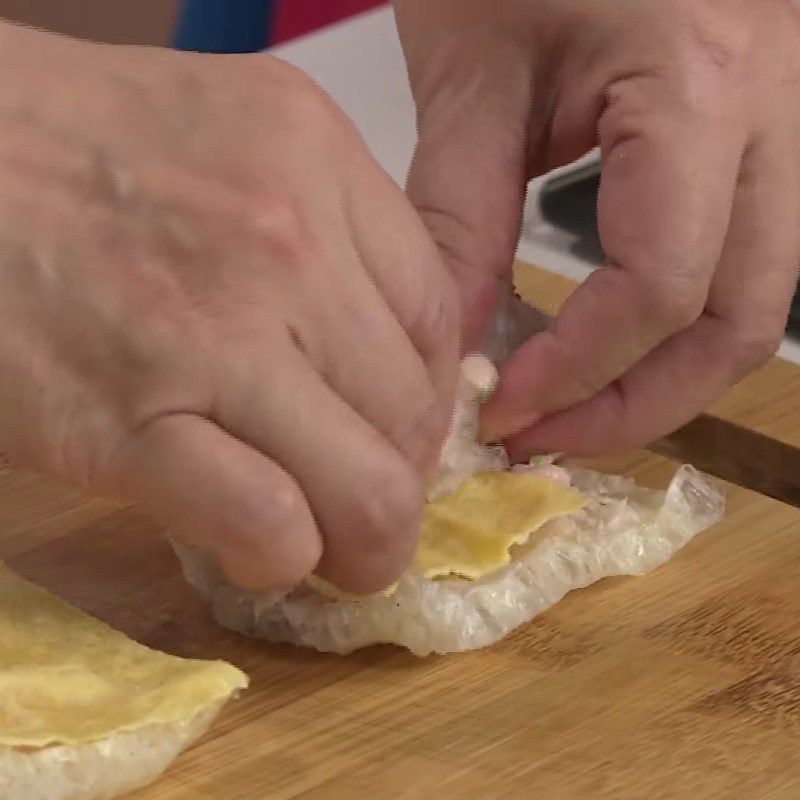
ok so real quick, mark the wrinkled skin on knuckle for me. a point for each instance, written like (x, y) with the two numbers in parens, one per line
(151, 358)
(723, 36)
(739, 53)
(87, 443)
(700, 66)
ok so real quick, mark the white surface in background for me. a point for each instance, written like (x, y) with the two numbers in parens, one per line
(359, 62)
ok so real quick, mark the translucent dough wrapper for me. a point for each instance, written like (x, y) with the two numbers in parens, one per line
(462, 455)
(623, 530)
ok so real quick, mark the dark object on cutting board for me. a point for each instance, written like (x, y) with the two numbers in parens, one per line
(569, 201)
(737, 455)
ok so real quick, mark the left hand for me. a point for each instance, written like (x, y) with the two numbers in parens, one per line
(696, 109)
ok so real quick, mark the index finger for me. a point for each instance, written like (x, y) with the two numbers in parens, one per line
(668, 179)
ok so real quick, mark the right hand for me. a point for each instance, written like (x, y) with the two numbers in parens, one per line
(215, 304)
(695, 105)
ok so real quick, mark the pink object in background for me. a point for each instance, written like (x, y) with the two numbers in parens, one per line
(293, 18)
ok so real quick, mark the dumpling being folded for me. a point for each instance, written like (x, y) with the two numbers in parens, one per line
(497, 547)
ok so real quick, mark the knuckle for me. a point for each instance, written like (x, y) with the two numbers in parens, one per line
(309, 123)
(753, 348)
(311, 105)
(287, 507)
(723, 42)
(279, 223)
(389, 507)
(381, 532)
(589, 384)
(712, 54)
(676, 312)
(87, 446)
(311, 112)
(671, 306)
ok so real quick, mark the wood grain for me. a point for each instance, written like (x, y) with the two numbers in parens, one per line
(681, 684)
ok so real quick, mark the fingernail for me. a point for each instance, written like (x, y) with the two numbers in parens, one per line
(494, 434)
(479, 372)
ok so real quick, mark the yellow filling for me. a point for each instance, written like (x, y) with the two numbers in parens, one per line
(470, 533)
(66, 678)
(327, 589)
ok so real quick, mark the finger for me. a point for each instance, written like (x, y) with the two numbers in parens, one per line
(467, 181)
(741, 327)
(400, 256)
(662, 236)
(652, 399)
(357, 343)
(364, 356)
(405, 272)
(221, 495)
(365, 496)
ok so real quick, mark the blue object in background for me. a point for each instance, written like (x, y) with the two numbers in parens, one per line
(223, 26)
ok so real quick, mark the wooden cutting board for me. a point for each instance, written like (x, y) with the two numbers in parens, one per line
(680, 684)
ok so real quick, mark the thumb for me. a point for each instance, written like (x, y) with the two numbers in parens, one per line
(467, 181)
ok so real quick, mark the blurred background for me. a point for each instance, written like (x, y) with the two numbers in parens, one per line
(207, 25)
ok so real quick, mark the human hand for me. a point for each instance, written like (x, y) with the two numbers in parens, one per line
(214, 303)
(696, 109)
